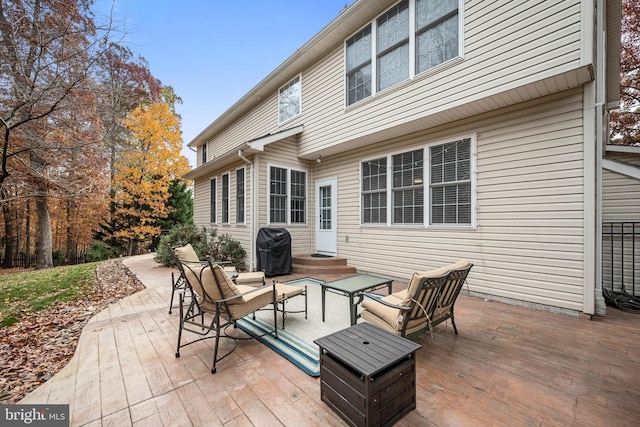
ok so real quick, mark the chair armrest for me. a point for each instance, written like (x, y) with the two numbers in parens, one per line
(378, 298)
(273, 286)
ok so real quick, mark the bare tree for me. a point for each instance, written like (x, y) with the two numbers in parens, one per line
(48, 49)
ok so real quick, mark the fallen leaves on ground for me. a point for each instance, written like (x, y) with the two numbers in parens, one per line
(42, 343)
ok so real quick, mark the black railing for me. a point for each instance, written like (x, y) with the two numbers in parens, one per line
(621, 257)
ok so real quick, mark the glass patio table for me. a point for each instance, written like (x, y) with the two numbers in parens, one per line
(349, 286)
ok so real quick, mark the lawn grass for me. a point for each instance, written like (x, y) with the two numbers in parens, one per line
(30, 291)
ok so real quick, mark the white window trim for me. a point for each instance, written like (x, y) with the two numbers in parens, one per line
(244, 175)
(412, 57)
(228, 204)
(426, 186)
(280, 121)
(288, 212)
(473, 179)
(213, 182)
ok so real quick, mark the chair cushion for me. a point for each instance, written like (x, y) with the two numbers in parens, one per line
(186, 253)
(252, 301)
(388, 314)
(228, 288)
(250, 277)
(287, 291)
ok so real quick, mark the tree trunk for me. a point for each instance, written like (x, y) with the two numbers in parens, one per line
(28, 239)
(44, 247)
(9, 244)
(72, 244)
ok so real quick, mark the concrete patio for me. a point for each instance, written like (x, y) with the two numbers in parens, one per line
(510, 366)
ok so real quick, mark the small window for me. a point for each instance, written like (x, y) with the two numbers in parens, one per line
(204, 153)
(374, 191)
(450, 185)
(240, 196)
(290, 100)
(225, 198)
(212, 203)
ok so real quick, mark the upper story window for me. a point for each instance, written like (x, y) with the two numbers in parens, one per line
(204, 153)
(393, 45)
(287, 196)
(394, 187)
(402, 47)
(290, 100)
(358, 59)
(436, 32)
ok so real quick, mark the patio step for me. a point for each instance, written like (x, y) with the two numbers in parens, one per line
(307, 264)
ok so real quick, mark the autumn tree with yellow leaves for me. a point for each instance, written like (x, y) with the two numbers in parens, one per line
(144, 172)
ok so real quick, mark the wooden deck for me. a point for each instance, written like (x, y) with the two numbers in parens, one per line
(510, 366)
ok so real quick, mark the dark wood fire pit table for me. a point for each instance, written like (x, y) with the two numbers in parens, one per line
(367, 375)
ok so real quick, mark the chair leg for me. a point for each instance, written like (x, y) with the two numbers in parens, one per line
(173, 291)
(215, 348)
(305, 302)
(181, 298)
(453, 322)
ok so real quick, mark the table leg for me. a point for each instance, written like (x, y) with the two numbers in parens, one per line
(352, 310)
(323, 291)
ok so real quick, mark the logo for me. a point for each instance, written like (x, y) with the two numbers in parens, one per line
(35, 415)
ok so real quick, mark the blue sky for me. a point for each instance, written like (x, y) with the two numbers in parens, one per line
(213, 52)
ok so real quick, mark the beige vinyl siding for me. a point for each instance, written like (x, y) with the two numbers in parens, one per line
(528, 244)
(620, 196)
(621, 204)
(283, 154)
(506, 45)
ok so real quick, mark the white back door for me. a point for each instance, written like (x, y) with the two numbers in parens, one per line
(326, 216)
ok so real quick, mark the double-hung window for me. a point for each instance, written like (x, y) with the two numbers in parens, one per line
(287, 196)
(393, 45)
(374, 191)
(225, 198)
(358, 66)
(394, 187)
(411, 37)
(436, 32)
(408, 188)
(213, 195)
(450, 185)
(240, 196)
(290, 100)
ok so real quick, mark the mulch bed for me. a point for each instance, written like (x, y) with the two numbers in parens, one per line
(42, 343)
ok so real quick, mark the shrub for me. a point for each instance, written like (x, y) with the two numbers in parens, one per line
(205, 243)
(99, 251)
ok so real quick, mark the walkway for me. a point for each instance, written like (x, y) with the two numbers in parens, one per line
(509, 366)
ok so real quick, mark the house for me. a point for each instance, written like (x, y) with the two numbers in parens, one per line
(407, 135)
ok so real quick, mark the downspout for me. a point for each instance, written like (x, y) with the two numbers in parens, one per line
(253, 211)
(601, 129)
